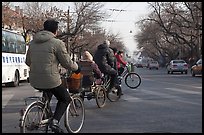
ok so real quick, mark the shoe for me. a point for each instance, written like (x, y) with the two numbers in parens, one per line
(119, 93)
(54, 125)
(114, 91)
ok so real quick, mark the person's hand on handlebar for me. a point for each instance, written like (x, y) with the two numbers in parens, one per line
(127, 65)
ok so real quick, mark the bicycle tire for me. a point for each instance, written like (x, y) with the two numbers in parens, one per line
(74, 115)
(132, 80)
(114, 94)
(100, 96)
(30, 122)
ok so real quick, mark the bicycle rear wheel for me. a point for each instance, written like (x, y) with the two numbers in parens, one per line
(100, 96)
(32, 118)
(114, 94)
(132, 80)
(75, 115)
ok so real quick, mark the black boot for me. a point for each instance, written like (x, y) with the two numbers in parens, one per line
(54, 125)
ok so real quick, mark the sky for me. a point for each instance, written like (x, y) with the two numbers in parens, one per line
(123, 22)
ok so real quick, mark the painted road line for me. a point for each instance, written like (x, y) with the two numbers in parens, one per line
(184, 91)
(6, 99)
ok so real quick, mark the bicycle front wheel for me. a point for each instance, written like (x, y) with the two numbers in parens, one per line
(32, 119)
(132, 80)
(100, 96)
(75, 115)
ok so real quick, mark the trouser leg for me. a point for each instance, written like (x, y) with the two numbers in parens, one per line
(120, 70)
(114, 81)
(63, 98)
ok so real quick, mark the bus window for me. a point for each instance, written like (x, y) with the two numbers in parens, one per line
(4, 43)
(20, 43)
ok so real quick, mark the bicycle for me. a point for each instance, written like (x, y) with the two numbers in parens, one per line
(91, 90)
(113, 94)
(37, 115)
(95, 91)
(132, 79)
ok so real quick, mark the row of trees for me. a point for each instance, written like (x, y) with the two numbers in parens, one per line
(80, 29)
(173, 30)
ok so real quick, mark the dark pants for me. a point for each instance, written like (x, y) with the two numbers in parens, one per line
(63, 98)
(120, 70)
(114, 78)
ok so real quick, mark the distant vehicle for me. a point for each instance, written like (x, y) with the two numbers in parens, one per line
(197, 68)
(138, 64)
(14, 49)
(153, 64)
(142, 62)
(177, 66)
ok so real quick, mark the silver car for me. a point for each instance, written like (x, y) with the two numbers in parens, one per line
(177, 66)
(153, 64)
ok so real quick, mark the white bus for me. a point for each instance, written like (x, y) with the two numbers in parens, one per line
(14, 49)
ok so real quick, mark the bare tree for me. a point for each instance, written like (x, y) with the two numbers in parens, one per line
(180, 28)
(35, 15)
(6, 14)
(79, 29)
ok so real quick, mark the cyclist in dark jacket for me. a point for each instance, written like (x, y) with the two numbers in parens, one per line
(105, 59)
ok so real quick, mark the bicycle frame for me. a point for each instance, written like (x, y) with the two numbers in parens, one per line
(126, 70)
(106, 81)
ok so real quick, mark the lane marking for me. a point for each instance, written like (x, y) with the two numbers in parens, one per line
(130, 98)
(6, 99)
(184, 91)
(176, 98)
(185, 85)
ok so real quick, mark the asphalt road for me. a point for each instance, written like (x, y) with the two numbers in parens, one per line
(163, 103)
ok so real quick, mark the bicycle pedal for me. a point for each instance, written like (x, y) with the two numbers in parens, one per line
(89, 97)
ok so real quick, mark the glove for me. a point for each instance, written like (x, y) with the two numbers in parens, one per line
(78, 70)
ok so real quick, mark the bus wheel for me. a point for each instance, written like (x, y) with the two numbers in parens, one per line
(16, 80)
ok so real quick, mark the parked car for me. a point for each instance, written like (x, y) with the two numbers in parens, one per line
(197, 68)
(153, 64)
(177, 66)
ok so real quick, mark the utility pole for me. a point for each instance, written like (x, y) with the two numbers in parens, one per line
(68, 31)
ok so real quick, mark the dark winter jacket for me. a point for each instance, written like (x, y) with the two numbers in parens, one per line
(105, 59)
